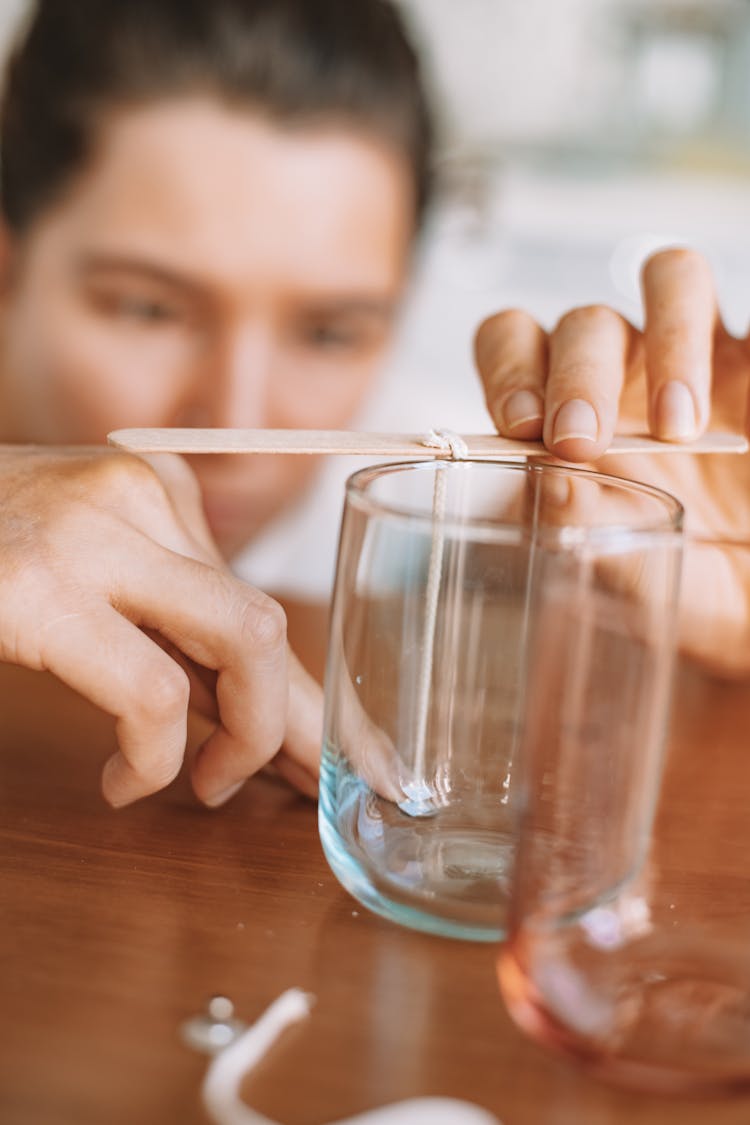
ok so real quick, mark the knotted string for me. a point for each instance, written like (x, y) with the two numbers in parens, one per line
(448, 440)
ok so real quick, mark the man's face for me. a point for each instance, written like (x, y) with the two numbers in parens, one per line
(208, 268)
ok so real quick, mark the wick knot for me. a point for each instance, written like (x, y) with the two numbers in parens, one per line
(449, 441)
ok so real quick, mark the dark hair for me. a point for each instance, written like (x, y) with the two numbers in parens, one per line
(297, 61)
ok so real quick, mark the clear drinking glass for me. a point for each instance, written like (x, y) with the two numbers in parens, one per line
(446, 572)
(630, 939)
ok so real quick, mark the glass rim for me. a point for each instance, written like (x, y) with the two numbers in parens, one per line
(671, 524)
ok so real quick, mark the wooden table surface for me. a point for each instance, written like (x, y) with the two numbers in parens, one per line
(115, 926)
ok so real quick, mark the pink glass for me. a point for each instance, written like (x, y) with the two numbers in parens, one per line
(629, 944)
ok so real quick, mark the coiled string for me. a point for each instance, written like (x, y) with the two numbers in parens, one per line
(224, 1075)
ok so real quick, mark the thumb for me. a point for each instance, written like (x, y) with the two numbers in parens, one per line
(299, 759)
(185, 496)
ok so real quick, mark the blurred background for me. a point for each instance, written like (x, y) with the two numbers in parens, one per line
(577, 136)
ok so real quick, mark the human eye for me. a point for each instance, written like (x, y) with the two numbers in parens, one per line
(331, 336)
(134, 306)
(344, 335)
(145, 310)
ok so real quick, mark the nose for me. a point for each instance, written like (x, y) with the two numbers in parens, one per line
(232, 386)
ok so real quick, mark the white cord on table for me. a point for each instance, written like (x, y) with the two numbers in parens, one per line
(223, 1078)
(221, 1083)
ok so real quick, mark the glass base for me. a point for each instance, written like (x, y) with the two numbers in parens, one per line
(439, 874)
(664, 1015)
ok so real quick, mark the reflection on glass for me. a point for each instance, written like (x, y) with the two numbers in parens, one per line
(448, 576)
(629, 944)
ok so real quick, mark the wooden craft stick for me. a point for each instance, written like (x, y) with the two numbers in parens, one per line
(403, 446)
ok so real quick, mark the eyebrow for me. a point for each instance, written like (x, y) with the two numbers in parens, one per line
(356, 305)
(93, 262)
(337, 303)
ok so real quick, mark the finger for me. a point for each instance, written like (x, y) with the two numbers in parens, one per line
(223, 624)
(251, 693)
(511, 357)
(357, 737)
(202, 680)
(681, 321)
(113, 664)
(304, 731)
(185, 497)
(298, 761)
(588, 352)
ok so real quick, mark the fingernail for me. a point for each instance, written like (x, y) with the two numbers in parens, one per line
(522, 407)
(556, 490)
(675, 412)
(215, 800)
(575, 421)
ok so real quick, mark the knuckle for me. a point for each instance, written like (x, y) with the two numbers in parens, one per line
(501, 325)
(120, 475)
(588, 318)
(505, 383)
(262, 623)
(579, 377)
(164, 691)
(511, 318)
(576, 373)
(676, 259)
(678, 256)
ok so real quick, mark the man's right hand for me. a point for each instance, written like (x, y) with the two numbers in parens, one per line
(109, 579)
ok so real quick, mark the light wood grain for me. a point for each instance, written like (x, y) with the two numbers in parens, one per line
(383, 445)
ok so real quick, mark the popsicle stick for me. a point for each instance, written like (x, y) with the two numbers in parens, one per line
(405, 446)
